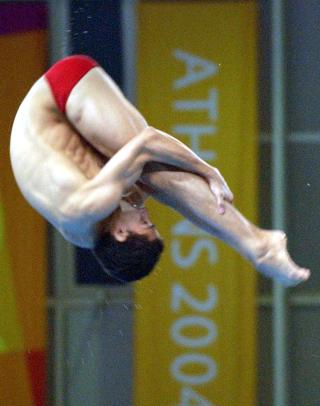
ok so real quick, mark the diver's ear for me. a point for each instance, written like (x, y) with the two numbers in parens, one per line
(120, 233)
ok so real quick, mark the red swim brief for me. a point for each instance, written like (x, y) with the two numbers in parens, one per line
(65, 74)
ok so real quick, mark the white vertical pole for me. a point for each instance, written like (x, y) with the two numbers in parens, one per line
(59, 25)
(129, 44)
(129, 15)
(129, 23)
(278, 198)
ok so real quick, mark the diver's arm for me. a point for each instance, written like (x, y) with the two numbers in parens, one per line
(100, 196)
(165, 149)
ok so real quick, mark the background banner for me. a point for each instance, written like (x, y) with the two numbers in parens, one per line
(23, 46)
(195, 317)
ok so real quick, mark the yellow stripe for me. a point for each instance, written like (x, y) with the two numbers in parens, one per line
(195, 323)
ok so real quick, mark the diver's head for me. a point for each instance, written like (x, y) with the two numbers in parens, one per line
(129, 246)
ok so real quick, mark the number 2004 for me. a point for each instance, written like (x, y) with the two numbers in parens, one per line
(181, 297)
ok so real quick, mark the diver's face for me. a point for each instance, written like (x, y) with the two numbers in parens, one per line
(133, 220)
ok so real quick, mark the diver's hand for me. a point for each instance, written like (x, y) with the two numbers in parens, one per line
(220, 189)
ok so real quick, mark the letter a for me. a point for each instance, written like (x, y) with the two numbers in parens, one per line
(197, 69)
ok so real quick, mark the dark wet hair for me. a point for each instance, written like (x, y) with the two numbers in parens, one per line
(129, 260)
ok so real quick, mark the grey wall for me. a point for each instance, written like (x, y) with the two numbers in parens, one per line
(303, 193)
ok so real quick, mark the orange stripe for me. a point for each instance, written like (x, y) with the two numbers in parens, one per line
(15, 387)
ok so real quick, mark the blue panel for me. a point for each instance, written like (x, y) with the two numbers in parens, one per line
(96, 31)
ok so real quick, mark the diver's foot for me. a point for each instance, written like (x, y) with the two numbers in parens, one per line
(273, 260)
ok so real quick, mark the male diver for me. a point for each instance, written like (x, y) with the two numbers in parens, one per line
(86, 160)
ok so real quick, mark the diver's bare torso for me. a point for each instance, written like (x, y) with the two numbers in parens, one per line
(50, 156)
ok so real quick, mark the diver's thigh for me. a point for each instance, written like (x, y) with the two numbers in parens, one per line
(102, 114)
